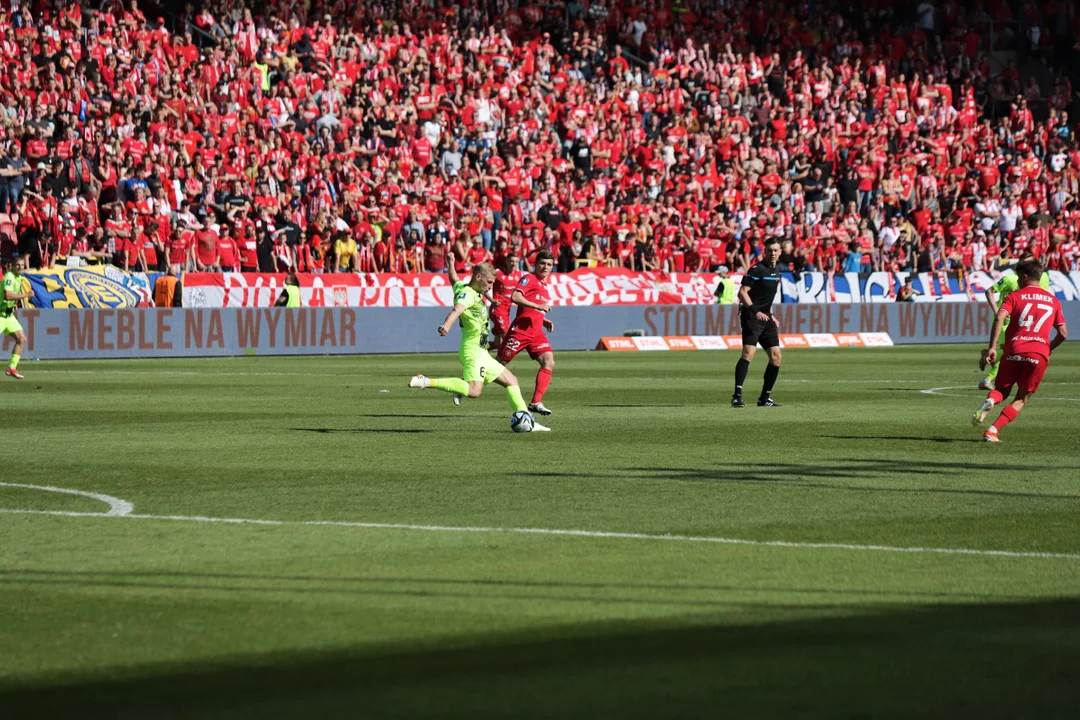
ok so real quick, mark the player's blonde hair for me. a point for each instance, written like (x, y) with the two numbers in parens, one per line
(483, 270)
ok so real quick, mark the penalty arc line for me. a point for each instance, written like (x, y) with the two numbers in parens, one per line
(117, 507)
(562, 533)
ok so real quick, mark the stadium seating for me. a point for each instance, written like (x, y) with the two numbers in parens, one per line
(672, 135)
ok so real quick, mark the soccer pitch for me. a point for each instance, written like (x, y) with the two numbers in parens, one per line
(857, 552)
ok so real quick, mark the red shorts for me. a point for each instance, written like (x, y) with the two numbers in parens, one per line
(535, 341)
(1024, 371)
(500, 320)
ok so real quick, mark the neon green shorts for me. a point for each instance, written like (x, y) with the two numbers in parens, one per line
(476, 364)
(10, 325)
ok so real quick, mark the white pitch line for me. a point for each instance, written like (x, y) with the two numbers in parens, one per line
(563, 533)
(117, 507)
(937, 391)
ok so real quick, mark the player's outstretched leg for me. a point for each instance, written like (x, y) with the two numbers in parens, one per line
(450, 385)
(772, 371)
(513, 394)
(543, 379)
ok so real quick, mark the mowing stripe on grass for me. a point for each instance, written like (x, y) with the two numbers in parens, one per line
(122, 509)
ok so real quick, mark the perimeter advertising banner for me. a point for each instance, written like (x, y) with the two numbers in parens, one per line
(197, 332)
(590, 286)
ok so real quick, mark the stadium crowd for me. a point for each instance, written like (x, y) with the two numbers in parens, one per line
(367, 135)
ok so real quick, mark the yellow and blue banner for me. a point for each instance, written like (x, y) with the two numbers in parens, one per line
(94, 286)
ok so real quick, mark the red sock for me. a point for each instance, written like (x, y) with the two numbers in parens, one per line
(1008, 414)
(995, 396)
(543, 379)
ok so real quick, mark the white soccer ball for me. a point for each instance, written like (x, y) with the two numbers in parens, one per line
(521, 422)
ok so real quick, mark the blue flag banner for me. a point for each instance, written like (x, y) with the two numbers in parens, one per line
(883, 286)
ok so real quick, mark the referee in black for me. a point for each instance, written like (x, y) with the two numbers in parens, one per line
(759, 325)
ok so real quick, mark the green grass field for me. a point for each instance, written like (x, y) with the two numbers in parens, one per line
(168, 614)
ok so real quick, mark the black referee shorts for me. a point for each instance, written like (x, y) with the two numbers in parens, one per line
(755, 332)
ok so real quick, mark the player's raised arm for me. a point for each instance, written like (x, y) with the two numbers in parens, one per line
(451, 271)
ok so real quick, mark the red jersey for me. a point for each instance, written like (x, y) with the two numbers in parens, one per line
(535, 291)
(1033, 312)
(249, 252)
(226, 248)
(177, 247)
(503, 289)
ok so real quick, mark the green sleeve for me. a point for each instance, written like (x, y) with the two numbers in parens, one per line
(1006, 283)
(463, 294)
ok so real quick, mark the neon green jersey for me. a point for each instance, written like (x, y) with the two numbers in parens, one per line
(12, 284)
(474, 321)
(1008, 283)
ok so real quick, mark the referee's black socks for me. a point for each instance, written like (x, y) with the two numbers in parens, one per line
(771, 371)
(741, 369)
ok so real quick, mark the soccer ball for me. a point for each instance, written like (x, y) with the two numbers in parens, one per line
(522, 421)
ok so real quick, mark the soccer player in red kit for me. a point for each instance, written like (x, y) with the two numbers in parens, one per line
(502, 293)
(527, 331)
(1032, 311)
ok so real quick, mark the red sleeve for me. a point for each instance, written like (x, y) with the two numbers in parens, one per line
(1059, 315)
(527, 286)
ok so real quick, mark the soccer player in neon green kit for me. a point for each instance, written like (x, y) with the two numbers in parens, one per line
(1006, 285)
(478, 367)
(9, 324)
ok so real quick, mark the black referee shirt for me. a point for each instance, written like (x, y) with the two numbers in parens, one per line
(763, 282)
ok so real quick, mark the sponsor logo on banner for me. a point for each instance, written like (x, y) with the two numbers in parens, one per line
(680, 343)
(876, 339)
(650, 343)
(817, 340)
(616, 344)
(725, 342)
(709, 342)
(793, 341)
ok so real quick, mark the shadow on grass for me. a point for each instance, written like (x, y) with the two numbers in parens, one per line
(911, 438)
(824, 475)
(327, 431)
(370, 588)
(978, 661)
(653, 405)
(120, 578)
(407, 416)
